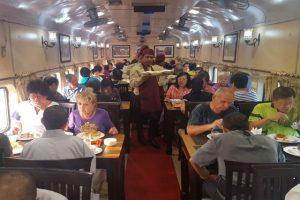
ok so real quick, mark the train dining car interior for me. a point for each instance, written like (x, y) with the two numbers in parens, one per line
(149, 99)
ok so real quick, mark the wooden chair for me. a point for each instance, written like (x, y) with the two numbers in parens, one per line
(113, 109)
(246, 107)
(273, 181)
(123, 90)
(75, 185)
(74, 164)
(239, 178)
(69, 106)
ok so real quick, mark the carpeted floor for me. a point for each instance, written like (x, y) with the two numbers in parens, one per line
(150, 174)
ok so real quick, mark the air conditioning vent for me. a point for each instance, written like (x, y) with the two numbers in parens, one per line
(181, 28)
(148, 8)
(97, 22)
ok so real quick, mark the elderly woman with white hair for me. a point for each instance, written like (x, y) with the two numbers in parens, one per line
(87, 111)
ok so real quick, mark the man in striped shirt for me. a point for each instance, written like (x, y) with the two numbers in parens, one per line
(239, 83)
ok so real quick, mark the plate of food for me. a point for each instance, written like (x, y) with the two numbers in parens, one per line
(284, 138)
(292, 150)
(89, 132)
(95, 149)
(25, 136)
(17, 148)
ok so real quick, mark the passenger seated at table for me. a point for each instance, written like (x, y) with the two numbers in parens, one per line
(87, 111)
(181, 87)
(117, 72)
(108, 92)
(277, 117)
(197, 93)
(236, 144)
(206, 82)
(52, 83)
(208, 116)
(27, 116)
(85, 74)
(55, 144)
(5, 146)
(97, 72)
(70, 91)
(240, 82)
(223, 80)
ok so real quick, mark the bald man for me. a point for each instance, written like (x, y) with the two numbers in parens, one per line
(206, 117)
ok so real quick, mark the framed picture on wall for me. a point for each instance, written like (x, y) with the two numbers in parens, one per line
(64, 48)
(192, 52)
(168, 50)
(95, 52)
(230, 46)
(120, 51)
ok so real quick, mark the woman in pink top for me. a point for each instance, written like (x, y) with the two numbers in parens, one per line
(181, 88)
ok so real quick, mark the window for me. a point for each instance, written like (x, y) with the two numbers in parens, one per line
(278, 84)
(4, 109)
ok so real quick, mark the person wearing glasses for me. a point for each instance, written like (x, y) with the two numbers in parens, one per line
(27, 116)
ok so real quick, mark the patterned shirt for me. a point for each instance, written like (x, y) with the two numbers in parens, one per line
(70, 93)
(174, 93)
(242, 95)
(264, 110)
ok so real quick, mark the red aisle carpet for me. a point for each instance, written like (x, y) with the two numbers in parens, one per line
(150, 174)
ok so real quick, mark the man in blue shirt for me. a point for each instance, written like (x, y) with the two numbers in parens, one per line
(70, 91)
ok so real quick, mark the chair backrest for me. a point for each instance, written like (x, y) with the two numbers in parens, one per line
(75, 185)
(69, 106)
(113, 109)
(1, 157)
(123, 90)
(239, 178)
(74, 164)
(273, 181)
(245, 107)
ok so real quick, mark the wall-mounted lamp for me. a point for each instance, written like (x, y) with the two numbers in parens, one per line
(77, 42)
(92, 44)
(107, 46)
(51, 40)
(215, 42)
(248, 37)
(196, 44)
(177, 45)
(185, 45)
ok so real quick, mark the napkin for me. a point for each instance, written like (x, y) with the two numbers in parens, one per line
(256, 131)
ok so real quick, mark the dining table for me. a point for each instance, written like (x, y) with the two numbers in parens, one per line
(112, 159)
(191, 183)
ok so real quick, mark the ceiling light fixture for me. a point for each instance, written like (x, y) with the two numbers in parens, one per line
(110, 22)
(194, 12)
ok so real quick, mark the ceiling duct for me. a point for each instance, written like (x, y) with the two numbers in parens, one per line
(115, 2)
(148, 8)
(181, 24)
(95, 20)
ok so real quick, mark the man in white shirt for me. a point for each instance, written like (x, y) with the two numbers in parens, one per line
(28, 114)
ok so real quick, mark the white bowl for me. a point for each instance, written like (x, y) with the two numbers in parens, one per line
(110, 141)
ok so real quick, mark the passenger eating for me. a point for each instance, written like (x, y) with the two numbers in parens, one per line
(278, 116)
(223, 80)
(206, 82)
(27, 116)
(236, 144)
(70, 91)
(208, 116)
(108, 92)
(86, 76)
(55, 144)
(240, 85)
(181, 87)
(87, 111)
